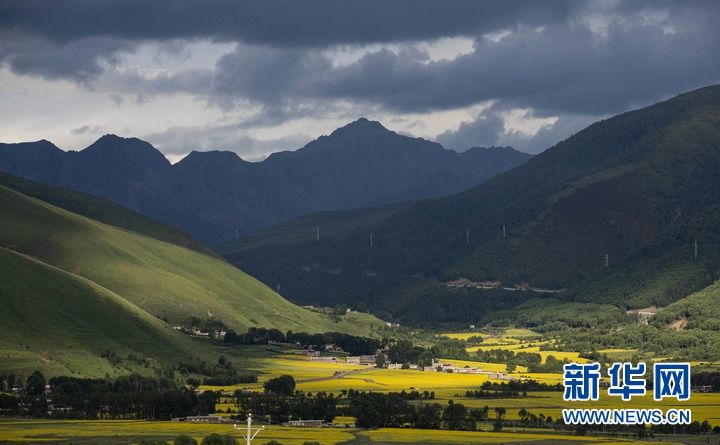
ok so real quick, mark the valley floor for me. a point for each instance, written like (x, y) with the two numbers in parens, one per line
(336, 376)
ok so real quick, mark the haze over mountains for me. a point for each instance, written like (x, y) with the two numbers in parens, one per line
(638, 189)
(216, 195)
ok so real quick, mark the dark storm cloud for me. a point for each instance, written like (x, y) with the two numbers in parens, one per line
(574, 59)
(73, 38)
(563, 68)
(277, 22)
(79, 60)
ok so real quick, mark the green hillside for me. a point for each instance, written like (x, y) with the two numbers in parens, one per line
(102, 210)
(60, 322)
(332, 224)
(640, 188)
(699, 311)
(164, 279)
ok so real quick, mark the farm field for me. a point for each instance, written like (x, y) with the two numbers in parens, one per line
(313, 376)
(533, 347)
(316, 376)
(124, 432)
(704, 406)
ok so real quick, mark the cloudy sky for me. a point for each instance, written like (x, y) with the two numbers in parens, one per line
(262, 76)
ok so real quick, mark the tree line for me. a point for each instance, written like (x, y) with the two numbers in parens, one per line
(351, 344)
(126, 397)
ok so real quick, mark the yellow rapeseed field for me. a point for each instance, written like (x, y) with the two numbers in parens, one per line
(132, 431)
(397, 435)
(125, 432)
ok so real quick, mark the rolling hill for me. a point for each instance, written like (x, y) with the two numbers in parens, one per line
(104, 211)
(215, 196)
(638, 189)
(73, 287)
(60, 322)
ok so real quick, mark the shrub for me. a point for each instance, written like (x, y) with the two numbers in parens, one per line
(217, 439)
(284, 385)
(184, 439)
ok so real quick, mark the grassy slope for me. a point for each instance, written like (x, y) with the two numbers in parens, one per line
(164, 279)
(680, 186)
(298, 231)
(60, 322)
(102, 210)
(699, 310)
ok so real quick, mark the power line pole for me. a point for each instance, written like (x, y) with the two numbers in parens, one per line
(251, 432)
(371, 240)
(607, 260)
(467, 237)
(504, 233)
(695, 249)
(317, 233)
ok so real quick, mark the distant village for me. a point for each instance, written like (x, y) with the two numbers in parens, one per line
(371, 361)
(489, 285)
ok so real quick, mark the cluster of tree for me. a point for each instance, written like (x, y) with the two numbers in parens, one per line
(352, 344)
(403, 351)
(280, 402)
(210, 324)
(595, 356)
(511, 389)
(528, 419)
(377, 410)
(474, 340)
(705, 378)
(524, 385)
(132, 396)
(283, 385)
(9, 382)
(114, 357)
(689, 344)
(255, 336)
(220, 373)
(450, 348)
(487, 394)
(23, 398)
(694, 427)
(531, 360)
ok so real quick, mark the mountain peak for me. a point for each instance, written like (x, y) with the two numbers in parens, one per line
(211, 157)
(41, 146)
(360, 126)
(111, 148)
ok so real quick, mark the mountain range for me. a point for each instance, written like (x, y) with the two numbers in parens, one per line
(625, 213)
(216, 196)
